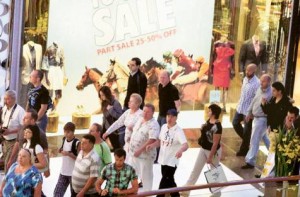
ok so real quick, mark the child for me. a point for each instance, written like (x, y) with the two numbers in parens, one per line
(69, 149)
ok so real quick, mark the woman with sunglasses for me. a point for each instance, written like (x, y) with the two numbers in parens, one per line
(32, 142)
(22, 178)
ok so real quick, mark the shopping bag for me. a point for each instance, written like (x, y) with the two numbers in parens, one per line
(215, 175)
(268, 170)
(215, 96)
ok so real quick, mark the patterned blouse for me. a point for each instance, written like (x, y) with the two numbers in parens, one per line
(21, 184)
(128, 119)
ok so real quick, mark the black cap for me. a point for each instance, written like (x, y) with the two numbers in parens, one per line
(172, 112)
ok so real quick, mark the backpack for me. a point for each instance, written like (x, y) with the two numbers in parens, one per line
(73, 147)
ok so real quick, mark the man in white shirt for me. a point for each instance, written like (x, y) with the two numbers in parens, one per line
(11, 122)
(173, 143)
(145, 132)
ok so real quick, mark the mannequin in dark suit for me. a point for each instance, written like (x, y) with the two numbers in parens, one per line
(253, 51)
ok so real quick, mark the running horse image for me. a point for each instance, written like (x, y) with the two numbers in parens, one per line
(151, 68)
(116, 77)
(188, 77)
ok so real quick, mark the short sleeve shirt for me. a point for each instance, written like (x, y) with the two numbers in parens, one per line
(12, 119)
(38, 96)
(171, 140)
(207, 132)
(167, 95)
(103, 152)
(142, 132)
(21, 184)
(118, 179)
(85, 167)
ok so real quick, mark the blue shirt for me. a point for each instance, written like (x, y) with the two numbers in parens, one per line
(248, 91)
(21, 184)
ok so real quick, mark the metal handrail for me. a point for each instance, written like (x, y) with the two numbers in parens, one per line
(210, 185)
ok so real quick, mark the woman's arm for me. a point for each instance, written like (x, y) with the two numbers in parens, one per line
(38, 190)
(42, 161)
(116, 110)
(216, 140)
(1, 188)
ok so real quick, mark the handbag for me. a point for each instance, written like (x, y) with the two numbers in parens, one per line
(215, 175)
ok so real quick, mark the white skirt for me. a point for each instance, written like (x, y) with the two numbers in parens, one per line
(56, 78)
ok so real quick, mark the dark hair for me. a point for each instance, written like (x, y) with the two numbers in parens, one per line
(40, 74)
(215, 110)
(120, 152)
(99, 128)
(69, 126)
(137, 61)
(279, 87)
(108, 95)
(33, 114)
(294, 110)
(149, 105)
(35, 139)
(89, 137)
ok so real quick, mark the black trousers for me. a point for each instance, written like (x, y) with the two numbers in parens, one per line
(167, 180)
(243, 132)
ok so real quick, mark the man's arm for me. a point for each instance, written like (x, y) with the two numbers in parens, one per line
(42, 111)
(143, 148)
(98, 185)
(90, 182)
(183, 148)
(13, 155)
(132, 190)
(177, 105)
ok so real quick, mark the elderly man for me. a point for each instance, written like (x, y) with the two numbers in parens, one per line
(249, 88)
(145, 132)
(11, 122)
(38, 98)
(259, 125)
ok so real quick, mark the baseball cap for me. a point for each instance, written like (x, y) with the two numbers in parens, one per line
(172, 112)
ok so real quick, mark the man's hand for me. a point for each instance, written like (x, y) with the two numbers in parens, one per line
(137, 153)
(209, 160)
(149, 147)
(6, 131)
(104, 192)
(80, 194)
(248, 118)
(116, 191)
(178, 154)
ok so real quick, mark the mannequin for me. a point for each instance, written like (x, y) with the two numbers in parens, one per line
(253, 51)
(31, 60)
(54, 68)
(223, 64)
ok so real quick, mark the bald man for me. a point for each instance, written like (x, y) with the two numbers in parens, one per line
(250, 85)
(168, 96)
(259, 124)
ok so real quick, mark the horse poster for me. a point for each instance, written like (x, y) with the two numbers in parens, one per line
(100, 37)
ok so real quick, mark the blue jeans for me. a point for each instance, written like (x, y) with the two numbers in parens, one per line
(42, 123)
(161, 120)
(259, 129)
(243, 132)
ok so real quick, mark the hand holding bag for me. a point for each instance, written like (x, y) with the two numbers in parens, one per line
(215, 175)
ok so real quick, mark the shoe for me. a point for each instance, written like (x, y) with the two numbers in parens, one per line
(140, 184)
(247, 166)
(257, 176)
(241, 153)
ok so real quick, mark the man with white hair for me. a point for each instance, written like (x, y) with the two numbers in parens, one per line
(11, 122)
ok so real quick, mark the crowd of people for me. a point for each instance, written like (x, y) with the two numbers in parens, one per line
(138, 140)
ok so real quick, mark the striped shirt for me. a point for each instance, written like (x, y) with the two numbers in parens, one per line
(248, 91)
(85, 167)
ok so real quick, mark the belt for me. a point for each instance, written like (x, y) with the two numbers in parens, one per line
(260, 116)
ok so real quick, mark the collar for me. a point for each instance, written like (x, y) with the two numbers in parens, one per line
(133, 73)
